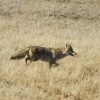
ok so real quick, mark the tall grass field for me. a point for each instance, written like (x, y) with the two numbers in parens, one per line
(50, 23)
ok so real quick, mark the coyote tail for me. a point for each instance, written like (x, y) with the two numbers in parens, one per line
(19, 55)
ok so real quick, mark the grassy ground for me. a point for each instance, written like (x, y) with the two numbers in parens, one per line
(50, 23)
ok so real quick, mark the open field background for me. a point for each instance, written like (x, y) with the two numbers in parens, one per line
(50, 23)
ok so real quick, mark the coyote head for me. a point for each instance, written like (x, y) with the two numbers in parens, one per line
(70, 51)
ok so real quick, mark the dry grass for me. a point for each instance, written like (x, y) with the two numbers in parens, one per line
(50, 23)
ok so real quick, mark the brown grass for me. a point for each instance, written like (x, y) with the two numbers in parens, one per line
(50, 23)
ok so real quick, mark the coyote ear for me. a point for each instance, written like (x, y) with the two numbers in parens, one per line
(67, 44)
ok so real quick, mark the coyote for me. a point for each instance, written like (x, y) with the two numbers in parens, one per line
(50, 55)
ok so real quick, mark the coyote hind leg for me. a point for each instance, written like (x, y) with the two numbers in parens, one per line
(26, 61)
(27, 58)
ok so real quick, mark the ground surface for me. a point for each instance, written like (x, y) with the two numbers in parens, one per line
(50, 23)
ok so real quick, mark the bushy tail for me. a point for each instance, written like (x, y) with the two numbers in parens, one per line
(19, 55)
